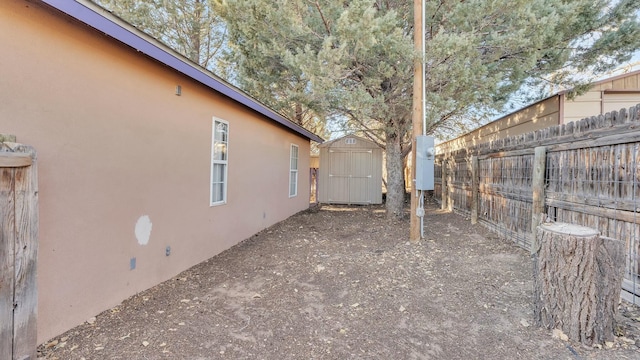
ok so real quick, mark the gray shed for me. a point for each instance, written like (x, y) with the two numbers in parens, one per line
(350, 171)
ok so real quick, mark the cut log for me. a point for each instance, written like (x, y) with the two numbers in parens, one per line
(577, 281)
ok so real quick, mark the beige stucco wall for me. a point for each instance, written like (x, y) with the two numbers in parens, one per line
(611, 94)
(537, 116)
(115, 143)
(619, 92)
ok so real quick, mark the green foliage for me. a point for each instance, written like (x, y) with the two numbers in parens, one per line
(353, 60)
(347, 60)
(314, 60)
(190, 27)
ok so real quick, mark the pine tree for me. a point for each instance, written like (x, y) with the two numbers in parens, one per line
(353, 60)
(190, 27)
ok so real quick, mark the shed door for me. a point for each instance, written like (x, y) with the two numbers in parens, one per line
(350, 174)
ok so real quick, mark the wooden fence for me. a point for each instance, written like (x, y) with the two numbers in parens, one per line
(18, 251)
(584, 172)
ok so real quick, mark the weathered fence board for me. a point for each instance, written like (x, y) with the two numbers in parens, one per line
(590, 177)
(7, 240)
(18, 252)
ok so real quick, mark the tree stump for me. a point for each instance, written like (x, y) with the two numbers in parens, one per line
(577, 281)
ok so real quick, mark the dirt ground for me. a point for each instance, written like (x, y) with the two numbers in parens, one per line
(342, 282)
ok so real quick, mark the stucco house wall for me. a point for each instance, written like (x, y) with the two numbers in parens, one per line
(614, 93)
(536, 116)
(622, 91)
(115, 144)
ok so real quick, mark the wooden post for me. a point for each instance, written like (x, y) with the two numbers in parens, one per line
(475, 189)
(538, 184)
(577, 279)
(18, 247)
(7, 241)
(445, 186)
(416, 118)
(450, 169)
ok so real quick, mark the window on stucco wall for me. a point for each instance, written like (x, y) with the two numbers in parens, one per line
(293, 171)
(219, 162)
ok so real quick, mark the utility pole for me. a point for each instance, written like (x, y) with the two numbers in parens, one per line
(418, 42)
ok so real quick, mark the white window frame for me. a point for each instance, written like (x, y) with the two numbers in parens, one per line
(214, 162)
(293, 172)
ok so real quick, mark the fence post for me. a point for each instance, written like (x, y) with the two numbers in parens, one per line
(475, 185)
(538, 183)
(18, 247)
(444, 193)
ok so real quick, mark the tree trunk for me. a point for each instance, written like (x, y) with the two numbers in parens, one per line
(395, 178)
(577, 281)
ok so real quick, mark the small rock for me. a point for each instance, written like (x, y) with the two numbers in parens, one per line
(51, 344)
(402, 309)
(355, 305)
(627, 340)
(524, 323)
(91, 320)
(98, 348)
(320, 268)
(65, 338)
(558, 334)
(145, 343)
(608, 344)
(343, 331)
(257, 296)
(181, 324)
(185, 300)
(163, 344)
(62, 344)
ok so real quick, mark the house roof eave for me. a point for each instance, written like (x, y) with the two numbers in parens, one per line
(98, 18)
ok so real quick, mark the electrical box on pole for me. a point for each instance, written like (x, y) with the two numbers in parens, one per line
(425, 158)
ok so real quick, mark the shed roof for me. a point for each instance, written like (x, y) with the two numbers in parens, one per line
(102, 20)
(370, 144)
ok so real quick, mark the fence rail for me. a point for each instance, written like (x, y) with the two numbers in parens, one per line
(587, 174)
